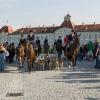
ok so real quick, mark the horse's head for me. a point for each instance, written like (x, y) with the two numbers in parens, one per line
(76, 42)
(29, 45)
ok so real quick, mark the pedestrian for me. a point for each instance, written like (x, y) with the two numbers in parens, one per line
(98, 57)
(2, 57)
(90, 48)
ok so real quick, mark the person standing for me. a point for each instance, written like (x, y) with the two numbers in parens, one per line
(95, 48)
(98, 57)
(2, 57)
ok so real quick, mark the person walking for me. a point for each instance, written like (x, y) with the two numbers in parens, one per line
(2, 57)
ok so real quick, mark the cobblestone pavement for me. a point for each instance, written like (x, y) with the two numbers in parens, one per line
(65, 84)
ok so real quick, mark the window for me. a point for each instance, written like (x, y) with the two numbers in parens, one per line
(84, 37)
(96, 36)
(90, 36)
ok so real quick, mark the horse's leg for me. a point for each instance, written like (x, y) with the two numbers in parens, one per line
(23, 62)
(20, 62)
(29, 67)
(43, 66)
(73, 61)
(32, 64)
(69, 64)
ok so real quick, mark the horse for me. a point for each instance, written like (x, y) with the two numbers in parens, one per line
(21, 55)
(72, 53)
(30, 54)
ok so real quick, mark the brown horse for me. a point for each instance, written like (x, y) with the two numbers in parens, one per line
(71, 55)
(21, 55)
(30, 54)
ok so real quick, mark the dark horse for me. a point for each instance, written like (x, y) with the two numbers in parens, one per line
(71, 52)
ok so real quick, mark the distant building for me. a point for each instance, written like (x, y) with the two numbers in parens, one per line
(89, 32)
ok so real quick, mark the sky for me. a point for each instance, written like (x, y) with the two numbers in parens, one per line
(19, 13)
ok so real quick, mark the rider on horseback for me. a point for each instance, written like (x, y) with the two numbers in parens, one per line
(65, 40)
(31, 38)
(38, 45)
(46, 46)
(22, 40)
(59, 47)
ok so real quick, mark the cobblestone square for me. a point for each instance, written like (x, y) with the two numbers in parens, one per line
(65, 84)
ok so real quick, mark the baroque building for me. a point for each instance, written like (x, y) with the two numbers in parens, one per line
(89, 32)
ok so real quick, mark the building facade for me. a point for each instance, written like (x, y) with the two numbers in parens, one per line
(89, 32)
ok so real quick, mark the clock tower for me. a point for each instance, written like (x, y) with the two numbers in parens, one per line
(67, 17)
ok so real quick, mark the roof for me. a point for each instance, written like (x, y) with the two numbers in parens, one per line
(36, 30)
(87, 28)
(67, 24)
(77, 28)
(6, 29)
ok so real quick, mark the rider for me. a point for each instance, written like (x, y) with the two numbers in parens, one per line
(45, 41)
(37, 41)
(59, 47)
(65, 40)
(22, 40)
(70, 37)
(46, 46)
(31, 37)
(38, 45)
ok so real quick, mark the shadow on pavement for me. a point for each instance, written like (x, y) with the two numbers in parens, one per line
(78, 77)
(92, 98)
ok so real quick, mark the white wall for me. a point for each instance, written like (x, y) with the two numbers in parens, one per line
(84, 38)
(89, 36)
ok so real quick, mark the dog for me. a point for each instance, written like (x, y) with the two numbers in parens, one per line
(59, 63)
